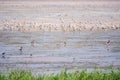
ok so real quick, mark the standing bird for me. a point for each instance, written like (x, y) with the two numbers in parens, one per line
(21, 49)
(3, 55)
(108, 42)
(30, 55)
(73, 60)
(32, 43)
(65, 44)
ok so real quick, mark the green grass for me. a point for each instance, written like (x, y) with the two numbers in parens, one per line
(63, 75)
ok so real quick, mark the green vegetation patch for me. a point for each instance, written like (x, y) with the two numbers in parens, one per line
(63, 75)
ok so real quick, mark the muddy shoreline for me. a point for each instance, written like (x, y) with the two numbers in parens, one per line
(67, 16)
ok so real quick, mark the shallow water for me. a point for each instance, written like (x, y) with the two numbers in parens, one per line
(53, 52)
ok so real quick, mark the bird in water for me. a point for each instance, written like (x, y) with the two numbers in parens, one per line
(3, 55)
(21, 49)
(73, 60)
(32, 43)
(108, 42)
(30, 55)
(65, 44)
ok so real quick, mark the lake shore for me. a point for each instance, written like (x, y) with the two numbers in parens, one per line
(65, 16)
(48, 36)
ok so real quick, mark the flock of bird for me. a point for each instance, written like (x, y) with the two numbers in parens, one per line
(32, 44)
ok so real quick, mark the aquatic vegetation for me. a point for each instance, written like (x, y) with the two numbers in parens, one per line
(63, 75)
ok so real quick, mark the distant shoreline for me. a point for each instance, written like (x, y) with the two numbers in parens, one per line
(63, 16)
(38, 26)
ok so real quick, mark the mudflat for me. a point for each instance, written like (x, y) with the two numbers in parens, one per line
(59, 16)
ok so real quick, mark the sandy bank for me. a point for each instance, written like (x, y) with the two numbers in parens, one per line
(33, 26)
(65, 16)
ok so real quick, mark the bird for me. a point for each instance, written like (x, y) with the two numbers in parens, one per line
(32, 43)
(73, 60)
(31, 55)
(64, 44)
(108, 42)
(3, 55)
(21, 48)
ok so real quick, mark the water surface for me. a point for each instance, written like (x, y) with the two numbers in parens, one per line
(53, 52)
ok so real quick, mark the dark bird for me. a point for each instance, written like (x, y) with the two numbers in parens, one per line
(21, 48)
(64, 43)
(3, 55)
(108, 42)
(31, 55)
(73, 59)
(32, 43)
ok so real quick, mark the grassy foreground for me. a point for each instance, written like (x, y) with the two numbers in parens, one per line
(64, 75)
